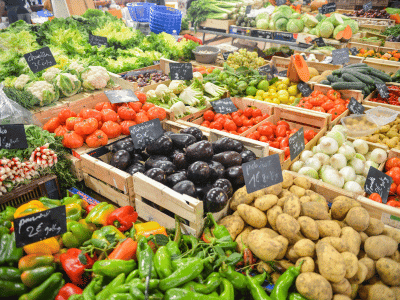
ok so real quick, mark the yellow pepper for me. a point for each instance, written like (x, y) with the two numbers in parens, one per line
(47, 246)
(149, 228)
(29, 208)
(73, 211)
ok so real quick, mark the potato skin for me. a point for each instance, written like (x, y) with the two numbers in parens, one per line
(307, 266)
(352, 239)
(315, 210)
(234, 224)
(272, 215)
(285, 243)
(328, 228)
(358, 218)
(302, 182)
(389, 271)
(338, 243)
(242, 238)
(298, 191)
(341, 207)
(274, 189)
(287, 180)
(376, 292)
(375, 227)
(292, 207)
(351, 263)
(380, 246)
(252, 216)
(343, 287)
(340, 297)
(304, 247)
(331, 264)
(361, 274)
(242, 197)
(308, 228)
(314, 286)
(263, 246)
(370, 264)
(393, 233)
(265, 202)
(287, 225)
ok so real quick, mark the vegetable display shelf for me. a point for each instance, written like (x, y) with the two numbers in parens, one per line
(386, 66)
(369, 35)
(393, 45)
(385, 50)
(282, 63)
(371, 104)
(221, 25)
(353, 59)
(40, 187)
(362, 46)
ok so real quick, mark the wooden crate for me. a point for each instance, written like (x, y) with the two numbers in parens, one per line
(283, 63)
(367, 35)
(393, 45)
(76, 167)
(217, 24)
(383, 65)
(362, 46)
(320, 56)
(390, 62)
(367, 100)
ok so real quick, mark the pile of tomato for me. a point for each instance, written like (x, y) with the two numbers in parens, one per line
(394, 95)
(331, 103)
(106, 121)
(236, 122)
(277, 136)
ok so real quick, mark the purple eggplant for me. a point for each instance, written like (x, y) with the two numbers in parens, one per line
(198, 172)
(121, 159)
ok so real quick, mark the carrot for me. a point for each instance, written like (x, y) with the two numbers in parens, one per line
(347, 33)
(125, 250)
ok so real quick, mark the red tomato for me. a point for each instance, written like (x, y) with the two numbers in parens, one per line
(216, 125)
(398, 189)
(136, 106)
(265, 130)
(86, 127)
(328, 105)
(230, 125)
(205, 124)
(281, 130)
(284, 143)
(263, 139)
(52, 124)
(396, 177)
(257, 135)
(239, 111)
(238, 121)
(141, 117)
(392, 162)
(90, 113)
(256, 113)
(306, 105)
(265, 115)
(316, 93)
(274, 144)
(111, 129)
(242, 129)
(125, 126)
(147, 106)
(286, 124)
(248, 123)
(233, 132)
(70, 123)
(72, 140)
(126, 113)
(318, 108)
(64, 114)
(141, 96)
(375, 197)
(287, 151)
(257, 120)
(108, 115)
(252, 136)
(103, 105)
(61, 130)
(248, 112)
(272, 125)
(217, 116)
(209, 115)
(393, 188)
(309, 134)
(97, 139)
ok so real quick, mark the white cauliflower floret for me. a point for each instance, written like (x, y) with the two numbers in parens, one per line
(21, 81)
(151, 94)
(96, 78)
(160, 90)
(76, 66)
(51, 73)
(44, 91)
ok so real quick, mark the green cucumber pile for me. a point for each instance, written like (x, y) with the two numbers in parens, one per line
(356, 77)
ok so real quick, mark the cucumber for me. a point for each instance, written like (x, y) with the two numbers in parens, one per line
(359, 65)
(362, 77)
(333, 78)
(377, 73)
(350, 78)
(360, 70)
(337, 72)
(348, 86)
(376, 79)
(325, 82)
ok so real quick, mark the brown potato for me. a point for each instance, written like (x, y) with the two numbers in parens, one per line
(338, 243)
(274, 189)
(291, 254)
(252, 216)
(302, 182)
(314, 286)
(343, 287)
(396, 256)
(364, 237)
(271, 233)
(272, 215)
(286, 264)
(352, 239)
(351, 262)
(328, 228)
(358, 218)
(307, 266)
(265, 202)
(370, 264)
(275, 276)
(304, 247)
(340, 297)
(292, 207)
(375, 227)
(309, 228)
(264, 267)
(287, 180)
(376, 292)
(284, 193)
(298, 191)
(315, 210)
(242, 197)
(380, 246)
(341, 207)
(282, 201)
(234, 224)
(263, 246)
(361, 274)
(241, 239)
(396, 291)
(287, 225)
(331, 264)
(393, 233)
(294, 239)
(305, 199)
(285, 243)
(389, 271)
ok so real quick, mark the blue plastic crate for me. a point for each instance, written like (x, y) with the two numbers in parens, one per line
(140, 12)
(165, 19)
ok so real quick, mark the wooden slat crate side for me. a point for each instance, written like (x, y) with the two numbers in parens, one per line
(362, 46)
(390, 62)
(283, 62)
(393, 45)
(383, 65)
(108, 192)
(107, 173)
(76, 167)
(307, 118)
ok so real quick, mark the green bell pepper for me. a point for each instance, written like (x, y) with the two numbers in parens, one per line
(9, 253)
(108, 234)
(50, 203)
(113, 267)
(10, 282)
(98, 215)
(46, 290)
(8, 214)
(73, 199)
(76, 235)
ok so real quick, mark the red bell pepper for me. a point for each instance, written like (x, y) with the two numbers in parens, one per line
(89, 208)
(67, 291)
(75, 265)
(123, 218)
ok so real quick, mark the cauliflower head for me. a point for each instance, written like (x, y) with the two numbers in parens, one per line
(68, 84)
(44, 91)
(21, 81)
(79, 68)
(51, 73)
(95, 78)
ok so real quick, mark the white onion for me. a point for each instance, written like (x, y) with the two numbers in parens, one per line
(353, 187)
(338, 136)
(378, 155)
(328, 145)
(316, 149)
(349, 143)
(340, 128)
(368, 156)
(306, 154)
(347, 151)
(338, 161)
(323, 158)
(348, 173)
(360, 156)
(360, 180)
(310, 172)
(361, 146)
(297, 165)
(314, 163)
(333, 177)
(358, 165)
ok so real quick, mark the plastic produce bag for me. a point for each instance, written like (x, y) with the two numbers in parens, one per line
(13, 113)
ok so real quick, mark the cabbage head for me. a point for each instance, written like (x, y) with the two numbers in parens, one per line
(263, 15)
(310, 21)
(295, 26)
(281, 24)
(326, 29)
(262, 24)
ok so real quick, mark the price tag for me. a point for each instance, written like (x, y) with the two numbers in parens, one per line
(327, 8)
(262, 173)
(304, 89)
(156, 62)
(367, 6)
(44, 13)
(378, 182)
(340, 56)
(280, 2)
(296, 143)
(40, 60)
(40, 226)
(320, 42)
(224, 106)
(12, 136)
(283, 36)
(98, 41)
(383, 90)
(121, 96)
(225, 55)
(353, 51)
(306, 2)
(145, 133)
(282, 73)
(181, 71)
(274, 70)
(248, 9)
(355, 107)
(264, 70)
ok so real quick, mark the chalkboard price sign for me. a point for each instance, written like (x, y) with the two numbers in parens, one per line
(224, 106)
(98, 41)
(181, 71)
(274, 70)
(225, 55)
(280, 2)
(378, 182)
(296, 143)
(145, 133)
(304, 89)
(320, 42)
(264, 70)
(262, 173)
(327, 8)
(40, 60)
(353, 51)
(283, 36)
(248, 9)
(383, 90)
(12, 136)
(367, 6)
(156, 62)
(40, 226)
(340, 56)
(121, 96)
(306, 2)
(282, 73)
(355, 107)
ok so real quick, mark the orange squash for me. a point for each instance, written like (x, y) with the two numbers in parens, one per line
(317, 4)
(301, 67)
(339, 35)
(292, 73)
(347, 33)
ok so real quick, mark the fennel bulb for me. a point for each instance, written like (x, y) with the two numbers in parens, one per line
(378, 155)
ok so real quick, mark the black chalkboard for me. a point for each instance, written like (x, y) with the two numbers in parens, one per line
(304, 89)
(296, 143)
(340, 56)
(98, 41)
(355, 107)
(327, 8)
(280, 2)
(264, 70)
(383, 90)
(378, 182)
(181, 71)
(40, 226)
(52, 189)
(13, 136)
(282, 73)
(354, 51)
(320, 42)
(224, 106)
(274, 70)
(156, 62)
(306, 2)
(40, 60)
(367, 6)
(262, 173)
(145, 133)
(248, 9)
(283, 36)
(121, 96)
(225, 55)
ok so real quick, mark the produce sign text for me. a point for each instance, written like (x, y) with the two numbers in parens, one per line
(40, 60)
(354, 51)
(40, 226)
(224, 106)
(383, 90)
(98, 41)
(355, 107)
(320, 42)
(340, 56)
(378, 182)
(12, 136)
(181, 71)
(262, 173)
(121, 96)
(145, 133)
(304, 89)
(367, 6)
(327, 8)
(296, 143)
(225, 55)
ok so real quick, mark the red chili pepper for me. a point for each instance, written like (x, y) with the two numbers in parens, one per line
(393, 203)
(75, 265)
(248, 257)
(123, 218)
(67, 291)
(207, 236)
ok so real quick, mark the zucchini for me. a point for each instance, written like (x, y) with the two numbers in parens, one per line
(362, 77)
(348, 86)
(359, 65)
(325, 82)
(377, 73)
(349, 77)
